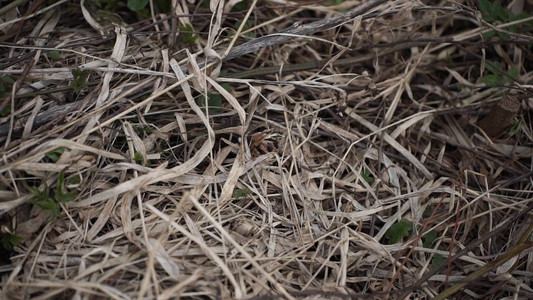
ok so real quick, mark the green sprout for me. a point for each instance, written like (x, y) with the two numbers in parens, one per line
(50, 202)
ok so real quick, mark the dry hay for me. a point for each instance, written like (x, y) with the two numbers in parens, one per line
(335, 129)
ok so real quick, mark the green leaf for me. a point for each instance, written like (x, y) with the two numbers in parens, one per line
(398, 231)
(54, 54)
(493, 67)
(214, 102)
(35, 191)
(66, 197)
(249, 24)
(492, 80)
(189, 36)
(226, 85)
(367, 176)
(80, 79)
(6, 111)
(75, 180)
(55, 154)
(504, 36)
(60, 188)
(137, 157)
(136, 5)
(485, 6)
(514, 129)
(60, 182)
(241, 193)
(429, 238)
(437, 259)
(10, 240)
(499, 12)
(7, 79)
(489, 34)
(240, 6)
(513, 73)
(45, 203)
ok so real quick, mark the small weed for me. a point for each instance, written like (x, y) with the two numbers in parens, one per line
(189, 36)
(494, 12)
(494, 74)
(241, 193)
(50, 202)
(437, 259)
(429, 238)
(55, 154)
(367, 176)
(54, 54)
(398, 231)
(76, 180)
(44, 201)
(514, 129)
(138, 158)
(249, 24)
(61, 193)
(80, 80)
(214, 100)
(10, 240)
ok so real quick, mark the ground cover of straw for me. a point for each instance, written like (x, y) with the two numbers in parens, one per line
(341, 156)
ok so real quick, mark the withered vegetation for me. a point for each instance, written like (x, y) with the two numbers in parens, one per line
(266, 150)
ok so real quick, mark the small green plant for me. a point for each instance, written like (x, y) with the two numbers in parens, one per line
(54, 54)
(138, 158)
(494, 12)
(80, 80)
(44, 201)
(239, 193)
(398, 231)
(10, 240)
(437, 259)
(50, 202)
(494, 75)
(75, 180)
(249, 24)
(61, 192)
(55, 154)
(428, 239)
(367, 176)
(214, 100)
(514, 129)
(189, 36)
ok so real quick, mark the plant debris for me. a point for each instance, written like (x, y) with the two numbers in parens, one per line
(266, 149)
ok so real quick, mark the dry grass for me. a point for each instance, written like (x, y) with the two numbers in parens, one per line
(329, 133)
